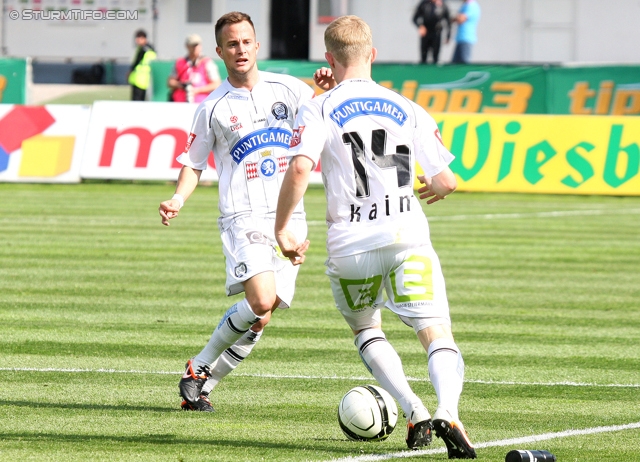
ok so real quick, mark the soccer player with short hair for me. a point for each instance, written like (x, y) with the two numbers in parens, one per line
(367, 139)
(247, 122)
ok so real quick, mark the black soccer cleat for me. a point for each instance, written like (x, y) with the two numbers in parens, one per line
(192, 382)
(454, 436)
(203, 404)
(419, 429)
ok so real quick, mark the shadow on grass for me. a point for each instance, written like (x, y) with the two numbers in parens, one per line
(331, 446)
(331, 450)
(91, 407)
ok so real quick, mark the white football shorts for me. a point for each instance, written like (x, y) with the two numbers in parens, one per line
(250, 248)
(411, 277)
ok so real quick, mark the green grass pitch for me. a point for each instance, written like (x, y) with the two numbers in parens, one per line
(100, 307)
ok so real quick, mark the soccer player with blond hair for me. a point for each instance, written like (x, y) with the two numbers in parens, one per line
(367, 139)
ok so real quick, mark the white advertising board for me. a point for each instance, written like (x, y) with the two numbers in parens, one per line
(134, 140)
(42, 144)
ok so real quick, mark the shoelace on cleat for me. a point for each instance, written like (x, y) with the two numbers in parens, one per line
(203, 370)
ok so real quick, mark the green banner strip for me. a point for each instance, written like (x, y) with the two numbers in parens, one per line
(13, 80)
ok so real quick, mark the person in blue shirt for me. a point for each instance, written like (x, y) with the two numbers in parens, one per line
(467, 20)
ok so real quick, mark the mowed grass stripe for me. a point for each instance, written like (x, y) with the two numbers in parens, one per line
(311, 377)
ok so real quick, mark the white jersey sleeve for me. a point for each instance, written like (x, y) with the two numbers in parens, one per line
(309, 121)
(431, 153)
(200, 141)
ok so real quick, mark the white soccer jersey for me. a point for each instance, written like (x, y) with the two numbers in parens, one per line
(367, 139)
(249, 133)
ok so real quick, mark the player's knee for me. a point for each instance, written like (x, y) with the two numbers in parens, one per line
(439, 331)
(261, 304)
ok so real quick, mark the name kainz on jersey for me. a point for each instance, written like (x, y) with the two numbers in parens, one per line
(404, 205)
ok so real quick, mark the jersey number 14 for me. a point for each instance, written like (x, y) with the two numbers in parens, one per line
(401, 159)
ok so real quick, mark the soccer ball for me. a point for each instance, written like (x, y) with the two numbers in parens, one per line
(367, 413)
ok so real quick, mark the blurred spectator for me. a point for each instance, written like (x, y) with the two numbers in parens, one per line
(467, 20)
(140, 72)
(194, 76)
(429, 18)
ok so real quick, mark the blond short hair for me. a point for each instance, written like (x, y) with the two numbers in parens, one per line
(349, 40)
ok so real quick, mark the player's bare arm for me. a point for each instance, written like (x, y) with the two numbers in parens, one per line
(294, 185)
(187, 182)
(437, 187)
(323, 78)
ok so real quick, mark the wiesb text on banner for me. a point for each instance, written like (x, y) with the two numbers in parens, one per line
(544, 154)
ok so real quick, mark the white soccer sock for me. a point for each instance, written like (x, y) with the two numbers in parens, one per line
(385, 365)
(234, 324)
(231, 358)
(446, 372)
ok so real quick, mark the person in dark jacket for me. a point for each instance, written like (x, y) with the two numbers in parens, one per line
(431, 17)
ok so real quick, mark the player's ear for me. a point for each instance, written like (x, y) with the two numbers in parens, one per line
(219, 52)
(374, 54)
(330, 59)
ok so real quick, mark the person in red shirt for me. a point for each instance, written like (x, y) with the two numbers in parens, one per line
(194, 76)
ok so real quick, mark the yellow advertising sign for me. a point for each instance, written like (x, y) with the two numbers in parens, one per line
(554, 154)
(46, 156)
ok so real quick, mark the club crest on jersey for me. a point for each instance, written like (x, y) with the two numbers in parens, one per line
(295, 139)
(240, 270)
(192, 136)
(280, 111)
(357, 107)
(270, 137)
